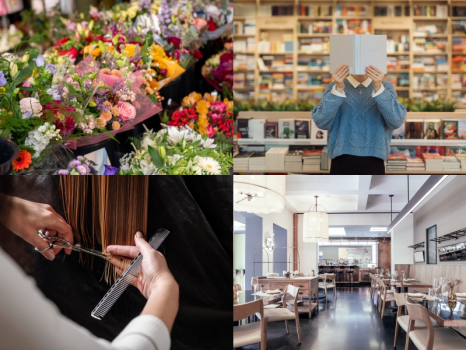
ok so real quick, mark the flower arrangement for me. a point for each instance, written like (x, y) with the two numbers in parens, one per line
(218, 70)
(78, 166)
(176, 151)
(452, 285)
(205, 115)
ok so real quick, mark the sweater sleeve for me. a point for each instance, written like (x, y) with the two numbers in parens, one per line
(393, 112)
(325, 112)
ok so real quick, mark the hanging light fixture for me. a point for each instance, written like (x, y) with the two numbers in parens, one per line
(315, 225)
(259, 194)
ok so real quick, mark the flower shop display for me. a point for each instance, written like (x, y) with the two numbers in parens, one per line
(218, 70)
(205, 115)
(176, 151)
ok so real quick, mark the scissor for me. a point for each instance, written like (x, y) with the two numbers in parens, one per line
(68, 245)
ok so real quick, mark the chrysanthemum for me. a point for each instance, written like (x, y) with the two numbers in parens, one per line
(209, 165)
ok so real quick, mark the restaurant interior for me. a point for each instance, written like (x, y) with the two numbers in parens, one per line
(349, 262)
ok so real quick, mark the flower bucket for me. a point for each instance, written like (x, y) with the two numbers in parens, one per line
(8, 151)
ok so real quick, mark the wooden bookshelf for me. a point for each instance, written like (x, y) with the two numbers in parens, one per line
(404, 24)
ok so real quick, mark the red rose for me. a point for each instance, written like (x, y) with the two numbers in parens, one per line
(197, 54)
(65, 123)
(211, 25)
(175, 41)
(61, 42)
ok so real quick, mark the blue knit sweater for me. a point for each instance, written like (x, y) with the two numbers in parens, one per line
(359, 124)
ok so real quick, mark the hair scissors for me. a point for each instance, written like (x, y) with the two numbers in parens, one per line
(68, 245)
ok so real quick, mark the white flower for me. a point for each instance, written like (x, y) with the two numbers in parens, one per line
(39, 138)
(146, 142)
(176, 135)
(54, 92)
(173, 159)
(30, 107)
(208, 164)
(209, 143)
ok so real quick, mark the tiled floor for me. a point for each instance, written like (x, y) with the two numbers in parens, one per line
(351, 322)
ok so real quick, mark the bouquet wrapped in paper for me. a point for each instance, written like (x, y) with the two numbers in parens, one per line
(218, 70)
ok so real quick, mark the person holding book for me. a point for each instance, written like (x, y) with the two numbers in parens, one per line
(360, 112)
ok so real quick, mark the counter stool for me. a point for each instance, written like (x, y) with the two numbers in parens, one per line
(349, 275)
(339, 275)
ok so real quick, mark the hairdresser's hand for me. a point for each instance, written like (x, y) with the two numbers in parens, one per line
(376, 75)
(154, 267)
(339, 77)
(25, 218)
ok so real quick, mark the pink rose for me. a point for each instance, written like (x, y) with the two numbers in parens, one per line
(127, 110)
(200, 23)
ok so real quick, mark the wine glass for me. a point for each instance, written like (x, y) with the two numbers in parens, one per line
(254, 284)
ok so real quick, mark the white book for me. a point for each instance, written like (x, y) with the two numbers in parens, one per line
(358, 52)
(256, 128)
(318, 134)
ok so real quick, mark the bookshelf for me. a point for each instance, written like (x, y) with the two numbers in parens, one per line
(444, 70)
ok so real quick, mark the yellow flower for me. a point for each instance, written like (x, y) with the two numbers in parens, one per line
(129, 49)
(191, 99)
(132, 11)
(116, 125)
(115, 111)
(158, 51)
(209, 97)
(105, 116)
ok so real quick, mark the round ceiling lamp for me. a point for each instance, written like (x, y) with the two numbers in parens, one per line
(259, 194)
(315, 225)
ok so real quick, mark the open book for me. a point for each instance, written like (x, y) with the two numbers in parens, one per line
(358, 52)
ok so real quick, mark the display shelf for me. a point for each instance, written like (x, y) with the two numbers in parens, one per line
(417, 245)
(291, 142)
(423, 142)
(453, 235)
(281, 171)
(297, 27)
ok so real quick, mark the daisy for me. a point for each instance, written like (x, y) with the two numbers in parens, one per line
(208, 164)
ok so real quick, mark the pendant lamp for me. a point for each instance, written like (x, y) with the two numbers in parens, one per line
(259, 194)
(315, 225)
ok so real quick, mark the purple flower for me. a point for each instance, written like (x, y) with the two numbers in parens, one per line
(82, 169)
(79, 157)
(2, 78)
(110, 170)
(51, 68)
(74, 163)
(39, 61)
(27, 115)
(63, 172)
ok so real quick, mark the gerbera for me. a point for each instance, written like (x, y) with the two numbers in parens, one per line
(209, 165)
(22, 160)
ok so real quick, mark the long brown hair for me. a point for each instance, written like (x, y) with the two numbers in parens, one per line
(118, 210)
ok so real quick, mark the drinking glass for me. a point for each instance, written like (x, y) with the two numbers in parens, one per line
(254, 285)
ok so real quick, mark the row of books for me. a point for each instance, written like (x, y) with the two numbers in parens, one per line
(391, 11)
(281, 158)
(459, 11)
(425, 45)
(430, 10)
(417, 151)
(398, 46)
(284, 129)
(398, 62)
(353, 26)
(243, 63)
(458, 81)
(316, 27)
(458, 27)
(243, 80)
(423, 29)
(431, 129)
(248, 45)
(398, 80)
(314, 95)
(242, 10)
(314, 45)
(314, 64)
(248, 27)
(427, 162)
(430, 81)
(459, 44)
(287, 45)
(274, 10)
(275, 62)
(314, 10)
(353, 11)
(276, 80)
(458, 63)
(430, 64)
(314, 81)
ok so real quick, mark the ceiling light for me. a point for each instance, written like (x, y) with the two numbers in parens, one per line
(315, 225)
(378, 229)
(259, 194)
(417, 203)
(336, 231)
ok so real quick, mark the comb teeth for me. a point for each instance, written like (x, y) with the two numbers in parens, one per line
(126, 278)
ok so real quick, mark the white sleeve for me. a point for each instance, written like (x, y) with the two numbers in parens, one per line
(338, 93)
(30, 321)
(381, 89)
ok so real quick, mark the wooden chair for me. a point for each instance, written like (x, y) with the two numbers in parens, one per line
(384, 296)
(374, 285)
(431, 337)
(251, 333)
(283, 313)
(331, 285)
(403, 321)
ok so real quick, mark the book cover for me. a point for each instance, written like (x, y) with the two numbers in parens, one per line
(358, 52)
(312, 153)
(256, 128)
(302, 128)
(431, 156)
(243, 128)
(318, 134)
(462, 129)
(286, 129)
(414, 129)
(432, 129)
(429, 149)
(454, 150)
(271, 130)
(397, 157)
(450, 130)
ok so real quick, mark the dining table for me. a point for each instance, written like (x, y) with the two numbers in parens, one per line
(447, 314)
(246, 296)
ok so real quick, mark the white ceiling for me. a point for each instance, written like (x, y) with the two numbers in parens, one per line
(352, 194)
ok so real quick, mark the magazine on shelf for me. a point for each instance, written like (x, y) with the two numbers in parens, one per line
(243, 128)
(358, 52)
(271, 130)
(286, 129)
(450, 129)
(256, 128)
(433, 129)
(414, 128)
(462, 129)
(318, 134)
(302, 128)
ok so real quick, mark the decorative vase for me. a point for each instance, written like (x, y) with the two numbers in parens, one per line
(452, 295)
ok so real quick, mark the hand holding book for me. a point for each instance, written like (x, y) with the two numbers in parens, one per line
(339, 77)
(376, 75)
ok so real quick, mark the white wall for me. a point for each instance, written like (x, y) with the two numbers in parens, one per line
(308, 252)
(239, 259)
(447, 210)
(402, 237)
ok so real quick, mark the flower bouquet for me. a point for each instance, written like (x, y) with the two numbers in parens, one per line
(176, 151)
(205, 115)
(218, 70)
(452, 285)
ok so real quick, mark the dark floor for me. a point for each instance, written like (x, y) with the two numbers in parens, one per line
(351, 322)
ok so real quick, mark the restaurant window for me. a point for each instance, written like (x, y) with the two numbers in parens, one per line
(431, 233)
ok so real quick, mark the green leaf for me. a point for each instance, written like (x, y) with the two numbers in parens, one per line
(28, 88)
(156, 158)
(102, 47)
(70, 88)
(21, 76)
